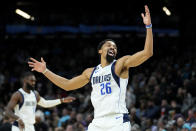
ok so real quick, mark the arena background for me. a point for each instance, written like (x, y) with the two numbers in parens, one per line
(161, 91)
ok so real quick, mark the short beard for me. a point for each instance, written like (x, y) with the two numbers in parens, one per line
(29, 87)
(109, 58)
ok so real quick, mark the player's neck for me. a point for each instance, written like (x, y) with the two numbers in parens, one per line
(104, 63)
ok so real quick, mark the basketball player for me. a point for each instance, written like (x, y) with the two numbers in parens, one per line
(24, 102)
(109, 81)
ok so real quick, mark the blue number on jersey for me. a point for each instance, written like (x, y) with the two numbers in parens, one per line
(106, 89)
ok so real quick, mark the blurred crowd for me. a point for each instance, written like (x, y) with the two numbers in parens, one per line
(161, 93)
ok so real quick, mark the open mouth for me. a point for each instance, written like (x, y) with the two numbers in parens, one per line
(111, 52)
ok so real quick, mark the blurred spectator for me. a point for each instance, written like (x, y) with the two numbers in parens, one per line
(161, 125)
(65, 117)
(191, 117)
(151, 110)
(40, 125)
(164, 108)
(141, 110)
(134, 118)
(69, 128)
(80, 119)
(175, 108)
(130, 97)
(72, 118)
(88, 120)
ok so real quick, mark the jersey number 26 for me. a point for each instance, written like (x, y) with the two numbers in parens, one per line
(106, 88)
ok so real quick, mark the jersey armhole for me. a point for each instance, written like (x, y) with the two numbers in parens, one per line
(116, 78)
(92, 73)
(21, 103)
(91, 76)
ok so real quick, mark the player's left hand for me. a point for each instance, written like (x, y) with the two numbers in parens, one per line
(67, 99)
(146, 17)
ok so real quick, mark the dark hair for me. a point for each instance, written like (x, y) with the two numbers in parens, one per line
(103, 42)
(25, 75)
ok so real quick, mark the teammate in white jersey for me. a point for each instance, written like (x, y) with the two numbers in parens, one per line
(24, 102)
(109, 81)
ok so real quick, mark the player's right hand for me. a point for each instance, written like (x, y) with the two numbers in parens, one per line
(21, 124)
(67, 99)
(36, 65)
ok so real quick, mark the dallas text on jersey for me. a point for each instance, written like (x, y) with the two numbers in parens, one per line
(100, 79)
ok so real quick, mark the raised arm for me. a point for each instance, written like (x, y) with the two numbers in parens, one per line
(66, 84)
(140, 57)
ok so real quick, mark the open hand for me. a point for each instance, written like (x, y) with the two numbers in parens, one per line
(36, 65)
(146, 17)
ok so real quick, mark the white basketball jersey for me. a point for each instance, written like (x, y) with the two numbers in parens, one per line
(108, 91)
(26, 109)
